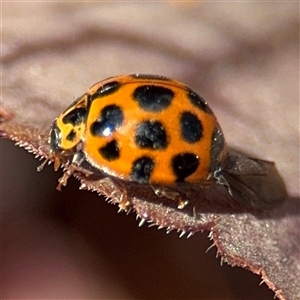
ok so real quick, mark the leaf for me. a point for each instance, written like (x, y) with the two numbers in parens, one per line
(251, 98)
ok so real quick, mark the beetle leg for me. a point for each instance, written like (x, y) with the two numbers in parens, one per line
(171, 194)
(220, 179)
(77, 159)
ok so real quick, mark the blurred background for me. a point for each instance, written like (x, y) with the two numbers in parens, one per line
(241, 57)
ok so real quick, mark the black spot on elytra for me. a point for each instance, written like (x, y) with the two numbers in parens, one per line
(150, 77)
(153, 98)
(55, 138)
(141, 169)
(71, 136)
(110, 151)
(198, 101)
(106, 89)
(111, 117)
(184, 165)
(151, 134)
(191, 127)
(75, 117)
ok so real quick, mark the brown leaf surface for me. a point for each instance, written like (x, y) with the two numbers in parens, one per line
(243, 62)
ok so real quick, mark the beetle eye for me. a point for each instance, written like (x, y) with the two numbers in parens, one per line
(55, 138)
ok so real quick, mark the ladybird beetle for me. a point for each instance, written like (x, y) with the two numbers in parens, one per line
(143, 128)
